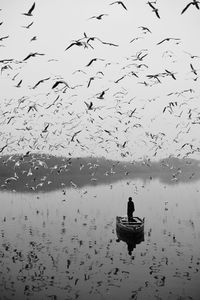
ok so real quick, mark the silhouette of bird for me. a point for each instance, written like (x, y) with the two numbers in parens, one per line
(194, 2)
(193, 69)
(89, 105)
(92, 60)
(3, 37)
(145, 29)
(119, 2)
(171, 74)
(28, 26)
(19, 83)
(154, 9)
(33, 54)
(40, 81)
(59, 82)
(168, 39)
(29, 13)
(99, 17)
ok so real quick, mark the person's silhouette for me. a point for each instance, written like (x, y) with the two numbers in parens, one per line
(130, 209)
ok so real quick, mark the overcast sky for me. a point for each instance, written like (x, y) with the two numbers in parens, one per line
(55, 25)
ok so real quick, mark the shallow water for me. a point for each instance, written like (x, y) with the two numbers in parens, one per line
(63, 244)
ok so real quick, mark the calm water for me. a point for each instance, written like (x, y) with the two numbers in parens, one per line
(63, 244)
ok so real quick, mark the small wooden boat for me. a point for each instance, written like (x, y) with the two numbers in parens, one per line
(133, 227)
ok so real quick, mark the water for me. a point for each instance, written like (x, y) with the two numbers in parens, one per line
(62, 244)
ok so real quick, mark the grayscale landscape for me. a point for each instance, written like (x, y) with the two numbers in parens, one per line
(100, 101)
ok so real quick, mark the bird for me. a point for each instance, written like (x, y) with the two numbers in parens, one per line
(194, 2)
(3, 37)
(34, 38)
(40, 81)
(99, 17)
(28, 26)
(168, 39)
(29, 13)
(136, 39)
(73, 136)
(79, 43)
(59, 82)
(145, 29)
(92, 60)
(193, 69)
(32, 54)
(19, 84)
(89, 105)
(119, 2)
(170, 74)
(154, 9)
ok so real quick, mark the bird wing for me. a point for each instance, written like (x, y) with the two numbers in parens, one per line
(72, 44)
(157, 14)
(90, 62)
(123, 5)
(28, 56)
(186, 8)
(161, 42)
(151, 5)
(32, 8)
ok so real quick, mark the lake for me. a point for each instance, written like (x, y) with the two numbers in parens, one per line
(58, 231)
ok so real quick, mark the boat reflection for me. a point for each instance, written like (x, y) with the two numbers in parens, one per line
(130, 239)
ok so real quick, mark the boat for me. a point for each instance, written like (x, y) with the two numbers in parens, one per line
(133, 227)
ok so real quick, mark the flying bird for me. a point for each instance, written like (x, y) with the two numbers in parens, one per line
(59, 82)
(145, 29)
(3, 37)
(28, 26)
(89, 105)
(154, 9)
(119, 2)
(32, 54)
(19, 84)
(168, 39)
(29, 13)
(99, 17)
(40, 81)
(194, 2)
(92, 60)
(193, 69)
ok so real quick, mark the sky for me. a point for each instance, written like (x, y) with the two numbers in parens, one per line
(137, 117)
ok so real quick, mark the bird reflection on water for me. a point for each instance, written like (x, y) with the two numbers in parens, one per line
(131, 240)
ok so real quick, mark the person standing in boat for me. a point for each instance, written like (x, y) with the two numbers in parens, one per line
(130, 209)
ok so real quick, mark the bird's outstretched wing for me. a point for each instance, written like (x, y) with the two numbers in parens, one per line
(31, 9)
(188, 5)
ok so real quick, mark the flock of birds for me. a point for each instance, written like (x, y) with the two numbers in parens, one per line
(111, 119)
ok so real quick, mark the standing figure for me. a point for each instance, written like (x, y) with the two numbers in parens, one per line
(130, 209)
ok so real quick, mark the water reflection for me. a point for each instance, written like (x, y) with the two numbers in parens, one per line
(43, 173)
(130, 239)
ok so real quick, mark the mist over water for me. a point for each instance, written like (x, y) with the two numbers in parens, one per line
(60, 242)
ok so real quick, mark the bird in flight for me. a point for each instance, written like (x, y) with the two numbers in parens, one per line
(59, 82)
(40, 81)
(32, 55)
(3, 37)
(168, 39)
(28, 26)
(92, 60)
(99, 17)
(145, 29)
(154, 9)
(194, 2)
(119, 2)
(29, 13)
